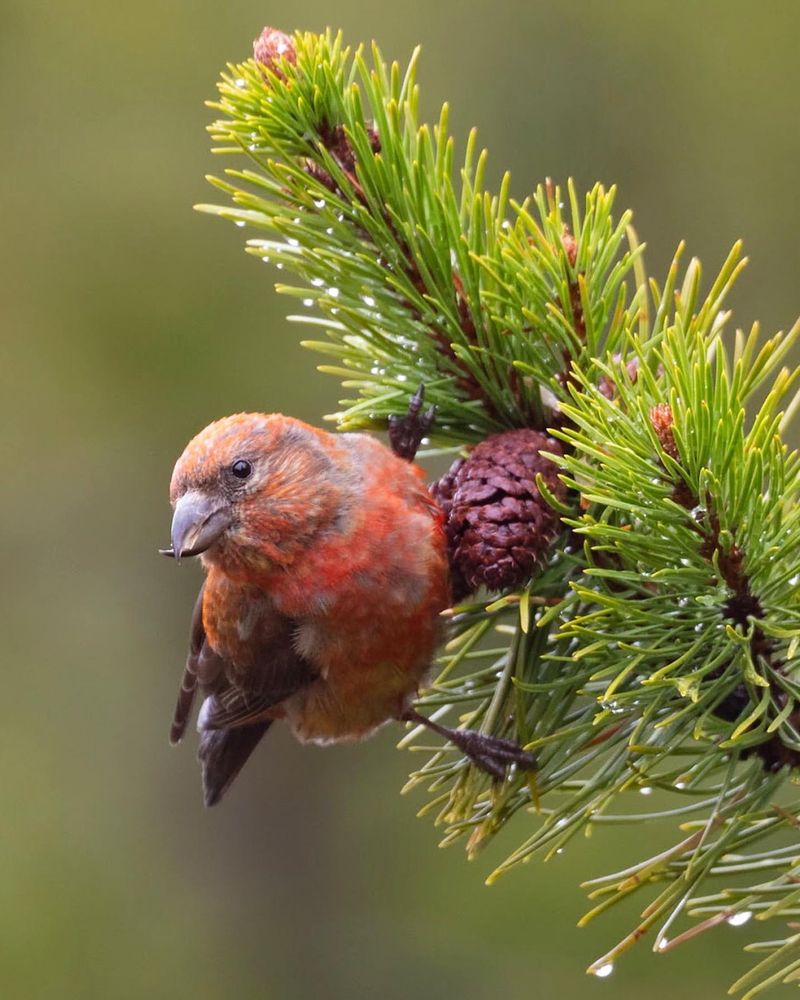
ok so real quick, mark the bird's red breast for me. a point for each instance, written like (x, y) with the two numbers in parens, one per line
(335, 548)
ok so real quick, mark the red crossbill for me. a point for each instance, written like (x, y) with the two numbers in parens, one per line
(326, 572)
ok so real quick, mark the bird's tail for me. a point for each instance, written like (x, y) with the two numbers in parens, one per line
(223, 753)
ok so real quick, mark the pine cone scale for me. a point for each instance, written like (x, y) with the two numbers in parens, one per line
(498, 525)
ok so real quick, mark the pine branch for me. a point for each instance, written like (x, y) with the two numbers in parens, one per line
(416, 281)
(653, 641)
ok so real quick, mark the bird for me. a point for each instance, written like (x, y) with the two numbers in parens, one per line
(326, 574)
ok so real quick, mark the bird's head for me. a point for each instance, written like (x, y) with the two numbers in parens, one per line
(251, 490)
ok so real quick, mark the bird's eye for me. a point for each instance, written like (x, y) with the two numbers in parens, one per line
(241, 469)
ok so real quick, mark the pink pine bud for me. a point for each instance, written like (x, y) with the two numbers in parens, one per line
(271, 47)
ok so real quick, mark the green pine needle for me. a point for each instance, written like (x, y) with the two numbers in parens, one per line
(657, 648)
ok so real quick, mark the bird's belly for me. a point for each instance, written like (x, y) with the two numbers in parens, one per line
(352, 702)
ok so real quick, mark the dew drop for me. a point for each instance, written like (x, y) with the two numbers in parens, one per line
(604, 971)
(737, 919)
(279, 266)
(293, 242)
(646, 790)
(308, 302)
(319, 203)
(368, 300)
(239, 223)
(333, 292)
(317, 282)
(241, 83)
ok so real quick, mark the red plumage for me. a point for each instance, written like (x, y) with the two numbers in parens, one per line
(326, 572)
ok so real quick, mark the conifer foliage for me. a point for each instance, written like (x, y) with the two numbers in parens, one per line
(643, 635)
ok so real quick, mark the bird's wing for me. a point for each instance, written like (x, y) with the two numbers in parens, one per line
(223, 753)
(237, 697)
(267, 670)
(233, 706)
(235, 715)
(195, 660)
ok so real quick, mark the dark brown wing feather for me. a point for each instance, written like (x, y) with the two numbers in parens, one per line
(238, 696)
(223, 753)
(233, 707)
(197, 638)
(231, 721)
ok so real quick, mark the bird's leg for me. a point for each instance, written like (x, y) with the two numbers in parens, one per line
(406, 433)
(490, 753)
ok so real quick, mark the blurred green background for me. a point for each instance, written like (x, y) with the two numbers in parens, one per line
(129, 322)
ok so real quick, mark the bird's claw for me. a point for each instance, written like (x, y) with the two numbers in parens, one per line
(491, 754)
(406, 433)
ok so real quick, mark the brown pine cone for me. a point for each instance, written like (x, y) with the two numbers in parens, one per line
(499, 527)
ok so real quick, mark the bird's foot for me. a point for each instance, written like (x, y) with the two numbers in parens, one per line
(406, 433)
(490, 753)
